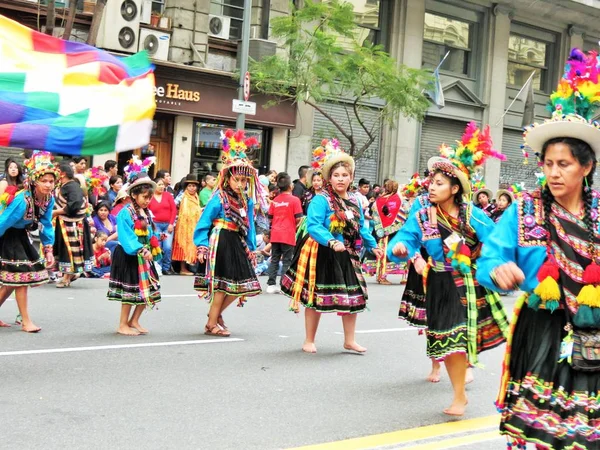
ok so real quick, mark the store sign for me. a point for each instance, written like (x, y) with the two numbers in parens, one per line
(212, 98)
(174, 91)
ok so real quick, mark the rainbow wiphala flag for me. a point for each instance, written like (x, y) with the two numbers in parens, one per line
(68, 97)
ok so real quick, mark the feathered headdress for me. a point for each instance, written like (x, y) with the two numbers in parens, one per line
(40, 163)
(573, 105)
(234, 157)
(416, 186)
(327, 155)
(136, 172)
(464, 158)
(95, 178)
(517, 189)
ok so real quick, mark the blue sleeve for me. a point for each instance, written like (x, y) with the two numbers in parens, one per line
(365, 232)
(127, 237)
(251, 236)
(13, 213)
(47, 230)
(316, 220)
(416, 206)
(499, 247)
(410, 235)
(482, 224)
(210, 213)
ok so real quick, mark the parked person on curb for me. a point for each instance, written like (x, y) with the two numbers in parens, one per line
(102, 256)
(285, 213)
(164, 213)
(105, 222)
(210, 181)
(300, 183)
(184, 249)
(12, 179)
(115, 183)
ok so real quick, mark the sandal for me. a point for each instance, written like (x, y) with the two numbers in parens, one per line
(384, 281)
(221, 323)
(216, 331)
(63, 284)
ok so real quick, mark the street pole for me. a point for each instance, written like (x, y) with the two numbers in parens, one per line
(241, 118)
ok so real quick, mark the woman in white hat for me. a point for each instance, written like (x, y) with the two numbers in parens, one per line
(463, 318)
(133, 276)
(21, 266)
(504, 198)
(547, 246)
(326, 273)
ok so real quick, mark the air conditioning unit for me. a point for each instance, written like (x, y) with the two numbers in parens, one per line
(146, 11)
(155, 42)
(120, 26)
(218, 26)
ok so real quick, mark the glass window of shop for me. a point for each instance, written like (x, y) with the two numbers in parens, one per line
(530, 51)
(443, 34)
(233, 11)
(206, 150)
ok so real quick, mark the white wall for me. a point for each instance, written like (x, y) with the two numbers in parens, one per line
(99, 160)
(279, 152)
(182, 150)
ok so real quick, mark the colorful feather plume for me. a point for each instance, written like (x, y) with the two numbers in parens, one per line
(137, 166)
(415, 186)
(95, 178)
(328, 148)
(473, 150)
(578, 91)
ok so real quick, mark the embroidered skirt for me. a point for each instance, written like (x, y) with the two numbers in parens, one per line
(546, 401)
(337, 286)
(447, 319)
(233, 271)
(124, 283)
(383, 267)
(73, 249)
(412, 304)
(20, 262)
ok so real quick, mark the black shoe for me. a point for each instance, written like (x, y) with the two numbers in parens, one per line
(168, 272)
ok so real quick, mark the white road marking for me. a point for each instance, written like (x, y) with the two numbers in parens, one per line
(117, 347)
(381, 330)
(282, 336)
(178, 295)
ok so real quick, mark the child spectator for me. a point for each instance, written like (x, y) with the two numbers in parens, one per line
(263, 252)
(102, 256)
(285, 213)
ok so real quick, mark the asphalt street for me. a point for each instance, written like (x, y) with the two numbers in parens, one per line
(77, 384)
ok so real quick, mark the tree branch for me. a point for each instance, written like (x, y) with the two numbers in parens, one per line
(332, 120)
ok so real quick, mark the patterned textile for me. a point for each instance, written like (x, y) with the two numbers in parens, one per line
(235, 208)
(227, 268)
(73, 236)
(486, 324)
(148, 281)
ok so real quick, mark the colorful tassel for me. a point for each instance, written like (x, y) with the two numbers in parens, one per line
(534, 301)
(552, 305)
(336, 226)
(584, 317)
(588, 295)
(548, 290)
(591, 274)
(548, 269)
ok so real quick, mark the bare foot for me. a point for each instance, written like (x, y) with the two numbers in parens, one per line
(4, 325)
(355, 347)
(138, 327)
(469, 376)
(434, 375)
(457, 408)
(30, 327)
(126, 331)
(309, 347)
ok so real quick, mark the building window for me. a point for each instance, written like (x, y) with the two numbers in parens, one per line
(368, 21)
(525, 56)
(206, 150)
(158, 6)
(442, 35)
(233, 12)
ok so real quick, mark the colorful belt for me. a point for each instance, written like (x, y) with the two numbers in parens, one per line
(225, 224)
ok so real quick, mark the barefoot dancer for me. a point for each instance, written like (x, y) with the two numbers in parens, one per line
(225, 236)
(326, 273)
(133, 276)
(20, 264)
(463, 318)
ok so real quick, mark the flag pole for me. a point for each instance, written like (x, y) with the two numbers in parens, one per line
(515, 99)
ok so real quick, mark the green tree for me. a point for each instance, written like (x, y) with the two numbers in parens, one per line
(326, 63)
